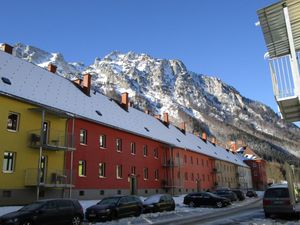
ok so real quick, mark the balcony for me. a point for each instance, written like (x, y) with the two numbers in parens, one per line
(172, 163)
(51, 179)
(168, 183)
(52, 140)
(286, 87)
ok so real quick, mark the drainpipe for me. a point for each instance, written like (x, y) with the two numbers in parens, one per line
(40, 156)
(72, 157)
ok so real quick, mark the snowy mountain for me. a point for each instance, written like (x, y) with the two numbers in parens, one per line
(205, 103)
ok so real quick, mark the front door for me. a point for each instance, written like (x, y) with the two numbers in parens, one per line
(43, 169)
(133, 185)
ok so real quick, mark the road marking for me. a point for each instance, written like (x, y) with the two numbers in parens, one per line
(147, 220)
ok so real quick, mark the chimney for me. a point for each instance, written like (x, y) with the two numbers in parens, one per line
(124, 101)
(77, 81)
(52, 68)
(131, 104)
(183, 127)
(204, 137)
(166, 118)
(213, 141)
(7, 48)
(157, 117)
(86, 83)
(147, 111)
(233, 146)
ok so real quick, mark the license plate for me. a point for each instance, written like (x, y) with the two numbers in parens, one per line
(278, 202)
(92, 215)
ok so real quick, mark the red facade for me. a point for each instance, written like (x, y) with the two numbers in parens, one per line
(258, 171)
(157, 166)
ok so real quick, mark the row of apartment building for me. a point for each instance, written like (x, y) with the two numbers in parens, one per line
(59, 138)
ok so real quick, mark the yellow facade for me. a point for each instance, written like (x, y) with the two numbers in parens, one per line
(227, 174)
(25, 150)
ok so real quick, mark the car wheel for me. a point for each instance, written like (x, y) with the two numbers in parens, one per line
(267, 215)
(192, 204)
(27, 223)
(138, 213)
(113, 216)
(219, 204)
(173, 207)
(76, 220)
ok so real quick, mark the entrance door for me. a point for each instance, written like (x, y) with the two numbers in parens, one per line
(43, 169)
(133, 185)
(45, 132)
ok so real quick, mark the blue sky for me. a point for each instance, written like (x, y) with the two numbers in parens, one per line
(214, 37)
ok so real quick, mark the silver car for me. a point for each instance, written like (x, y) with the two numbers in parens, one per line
(277, 200)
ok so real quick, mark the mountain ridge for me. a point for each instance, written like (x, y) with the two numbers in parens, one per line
(205, 103)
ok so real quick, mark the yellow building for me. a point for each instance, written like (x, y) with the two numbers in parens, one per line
(226, 174)
(33, 143)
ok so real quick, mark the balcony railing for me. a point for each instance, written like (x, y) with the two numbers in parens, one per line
(51, 178)
(168, 183)
(173, 163)
(52, 140)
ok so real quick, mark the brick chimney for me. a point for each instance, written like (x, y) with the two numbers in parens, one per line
(204, 136)
(125, 101)
(77, 81)
(214, 141)
(147, 111)
(7, 48)
(183, 127)
(86, 83)
(157, 117)
(233, 146)
(166, 119)
(52, 68)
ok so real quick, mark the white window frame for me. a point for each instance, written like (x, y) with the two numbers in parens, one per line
(9, 121)
(133, 148)
(9, 161)
(82, 172)
(119, 145)
(145, 150)
(156, 174)
(119, 172)
(83, 137)
(102, 170)
(145, 172)
(102, 141)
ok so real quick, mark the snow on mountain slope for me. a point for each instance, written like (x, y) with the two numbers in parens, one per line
(204, 102)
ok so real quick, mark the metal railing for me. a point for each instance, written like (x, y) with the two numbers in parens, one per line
(284, 84)
(52, 139)
(48, 178)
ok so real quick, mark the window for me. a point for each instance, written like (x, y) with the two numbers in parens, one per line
(119, 171)
(83, 137)
(133, 148)
(202, 162)
(186, 176)
(197, 161)
(192, 177)
(156, 174)
(145, 149)
(185, 159)
(133, 170)
(191, 160)
(203, 177)
(102, 169)
(102, 141)
(119, 145)
(155, 153)
(13, 121)
(82, 168)
(178, 175)
(145, 173)
(9, 162)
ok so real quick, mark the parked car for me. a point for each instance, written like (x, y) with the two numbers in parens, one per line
(239, 193)
(114, 207)
(205, 199)
(227, 194)
(251, 194)
(46, 212)
(159, 203)
(277, 200)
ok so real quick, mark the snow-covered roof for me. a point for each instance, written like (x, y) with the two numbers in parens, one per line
(41, 87)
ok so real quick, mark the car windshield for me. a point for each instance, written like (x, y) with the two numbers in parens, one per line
(152, 199)
(277, 193)
(214, 195)
(32, 206)
(108, 201)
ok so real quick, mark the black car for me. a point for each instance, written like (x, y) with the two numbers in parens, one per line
(205, 199)
(114, 207)
(227, 194)
(239, 193)
(46, 212)
(158, 203)
(251, 194)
